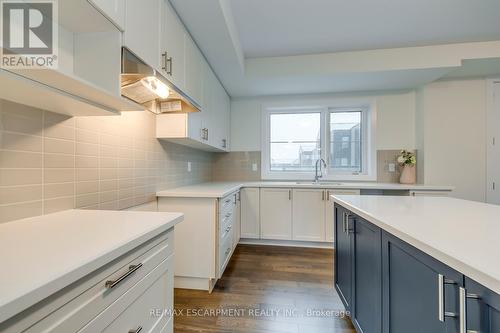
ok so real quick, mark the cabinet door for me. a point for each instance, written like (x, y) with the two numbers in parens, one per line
(483, 308)
(194, 62)
(414, 294)
(114, 10)
(250, 213)
(237, 219)
(276, 213)
(172, 41)
(343, 263)
(329, 212)
(367, 280)
(308, 219)
(142, 30)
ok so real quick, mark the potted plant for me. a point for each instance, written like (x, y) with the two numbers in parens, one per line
(407, 162)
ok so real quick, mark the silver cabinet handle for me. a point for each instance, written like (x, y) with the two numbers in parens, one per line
(110, 284)
(289, 194)
(137, 330)
(227, 251)
(165, 61)
(323, 196)
(224, 143)
(327, 195)
(462, 316)
(228, 228)
(442, 281)
(441, 297)
(170, 62)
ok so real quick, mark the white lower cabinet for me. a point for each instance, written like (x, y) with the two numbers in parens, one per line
(205, 240)
(250, 213)
(329, 216)
(308, 215)
(300, 214)
(117, 297)
(275, 213)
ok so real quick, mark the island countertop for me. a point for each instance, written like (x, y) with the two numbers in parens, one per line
(41, 255)
(462, 234)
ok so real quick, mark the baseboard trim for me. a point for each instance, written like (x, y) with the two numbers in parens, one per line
(186, 282)
(320, 245)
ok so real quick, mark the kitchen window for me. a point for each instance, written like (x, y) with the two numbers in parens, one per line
(296, 137)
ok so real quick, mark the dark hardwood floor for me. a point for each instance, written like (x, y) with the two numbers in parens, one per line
(267, 289)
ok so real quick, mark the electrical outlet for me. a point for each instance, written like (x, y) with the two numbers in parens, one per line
(254, 166)
(392, 167)
(189, 166)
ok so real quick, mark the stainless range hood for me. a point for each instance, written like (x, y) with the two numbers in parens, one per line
(146, 86)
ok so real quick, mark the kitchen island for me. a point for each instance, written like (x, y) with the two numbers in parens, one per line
(87, 271)
(418, 264)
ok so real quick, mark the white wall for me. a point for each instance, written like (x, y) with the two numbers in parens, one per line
(395, 118)
(451, 126)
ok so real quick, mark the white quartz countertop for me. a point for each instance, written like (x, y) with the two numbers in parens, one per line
(221, 189)
(462, 234)
(44, 254)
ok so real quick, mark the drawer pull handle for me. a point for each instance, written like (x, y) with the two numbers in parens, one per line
(137, 330)
(228, 228)
(227, 251)
(110, 284)
(228, 214)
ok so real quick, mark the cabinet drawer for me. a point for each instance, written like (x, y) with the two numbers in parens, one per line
(227, 204)
(102, 292)
(225, 225)
(225, 248)
(135, 308)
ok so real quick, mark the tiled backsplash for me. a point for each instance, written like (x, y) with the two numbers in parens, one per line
(51, 162)
(236, 166)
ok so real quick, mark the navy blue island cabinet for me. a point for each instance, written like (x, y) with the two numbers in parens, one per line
(389, 286)
(358, 270)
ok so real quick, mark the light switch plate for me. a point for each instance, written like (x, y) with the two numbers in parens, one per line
(392, 167)
(189, 166)
(254, 166)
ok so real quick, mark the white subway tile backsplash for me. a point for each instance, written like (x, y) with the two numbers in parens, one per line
(50, 162)
(19, 159)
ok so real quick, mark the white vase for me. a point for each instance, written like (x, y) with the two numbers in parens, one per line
(408, 175)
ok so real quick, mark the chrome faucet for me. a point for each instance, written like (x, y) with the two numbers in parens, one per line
(321, 163)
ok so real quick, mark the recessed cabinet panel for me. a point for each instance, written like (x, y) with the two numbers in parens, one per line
(483, 308)
(367, 311)
(412, 287)
(343, 258)
(250, 213)
(309, 214)
(275, 213)
(194, 70)
(142, 30)
(172, 46)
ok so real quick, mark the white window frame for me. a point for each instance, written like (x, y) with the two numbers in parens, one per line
(369, 116)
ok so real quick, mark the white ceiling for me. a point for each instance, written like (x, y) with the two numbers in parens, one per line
(308, 40)
(292, 27)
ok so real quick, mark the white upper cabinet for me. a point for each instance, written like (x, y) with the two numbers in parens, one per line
(194, 71)
(86, 80)
(114, 10)
(172, 46)
(142, 30)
